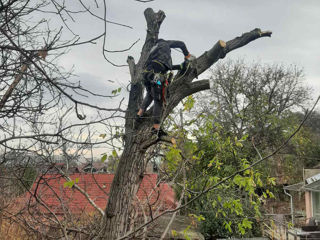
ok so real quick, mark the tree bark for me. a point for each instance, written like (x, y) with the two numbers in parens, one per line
(132, 163)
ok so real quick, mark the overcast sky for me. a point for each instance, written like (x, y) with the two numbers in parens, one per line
(294, 23)
(200, 24)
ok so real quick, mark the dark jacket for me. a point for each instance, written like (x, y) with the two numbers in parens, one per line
(161, 52)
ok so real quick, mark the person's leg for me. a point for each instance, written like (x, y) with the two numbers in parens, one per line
(154, 92)
(157, 105)
(157, 110)
(145, 103)
(148, 98)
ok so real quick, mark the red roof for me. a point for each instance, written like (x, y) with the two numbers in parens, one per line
(51, 190)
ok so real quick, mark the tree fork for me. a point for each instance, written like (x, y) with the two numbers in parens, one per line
(132, 163)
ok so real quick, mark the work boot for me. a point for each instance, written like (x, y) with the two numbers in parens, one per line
(158, 132)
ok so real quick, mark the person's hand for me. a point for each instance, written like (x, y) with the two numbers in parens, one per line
(190, 57)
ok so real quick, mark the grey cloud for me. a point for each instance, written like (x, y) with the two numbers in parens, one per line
(200, 24)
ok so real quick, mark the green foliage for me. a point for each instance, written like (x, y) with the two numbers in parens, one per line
(213, 155)
(70, 183)
(198, 218)
(113, 161)
(114, 153)
(104, 158)
(219, 227)
(115, 91)
(174, 233)
(103, 135)
(247, 114)
(188, 103)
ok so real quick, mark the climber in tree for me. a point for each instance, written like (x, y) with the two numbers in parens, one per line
(158, 63)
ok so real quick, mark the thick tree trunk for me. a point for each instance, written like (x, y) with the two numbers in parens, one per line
(132, 162)
(124, 186)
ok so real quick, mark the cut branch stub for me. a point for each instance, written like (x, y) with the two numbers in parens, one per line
(221, 48)
(246, 38)
(214, 53)
(154, 21)
(132, 67)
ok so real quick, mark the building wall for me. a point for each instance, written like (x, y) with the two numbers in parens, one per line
(308, 200)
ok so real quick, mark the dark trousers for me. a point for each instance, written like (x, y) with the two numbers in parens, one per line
(154, 91)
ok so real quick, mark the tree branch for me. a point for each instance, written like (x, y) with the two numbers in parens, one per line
(182, 87)
(220, 49)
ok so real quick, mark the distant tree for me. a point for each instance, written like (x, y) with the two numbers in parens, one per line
(306, 147)
(250, 110)
(258, 101)
(249, 98)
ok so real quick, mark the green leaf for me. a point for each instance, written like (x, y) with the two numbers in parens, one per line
(119, 89)
(239, 144)
(199, 218)
(259, 182)
(246, 223)
(114, 153)
(77, 180)
(104, 158)
(189, 103)
(68, 184)
(228, 226)
(270, 193)
(103, 135)
(185, 233)
(241, 229)
(272, 181)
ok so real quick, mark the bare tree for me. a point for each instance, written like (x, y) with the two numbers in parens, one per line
(34, 92)
(132, 162)
(247, 95)
(37, 97)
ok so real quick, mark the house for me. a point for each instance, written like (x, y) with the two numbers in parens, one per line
(56, 168)
(310, 186)
(311, 189)
(312, 194)
(108, 167)
(59, 196)
(94, 167)
(53, 199)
